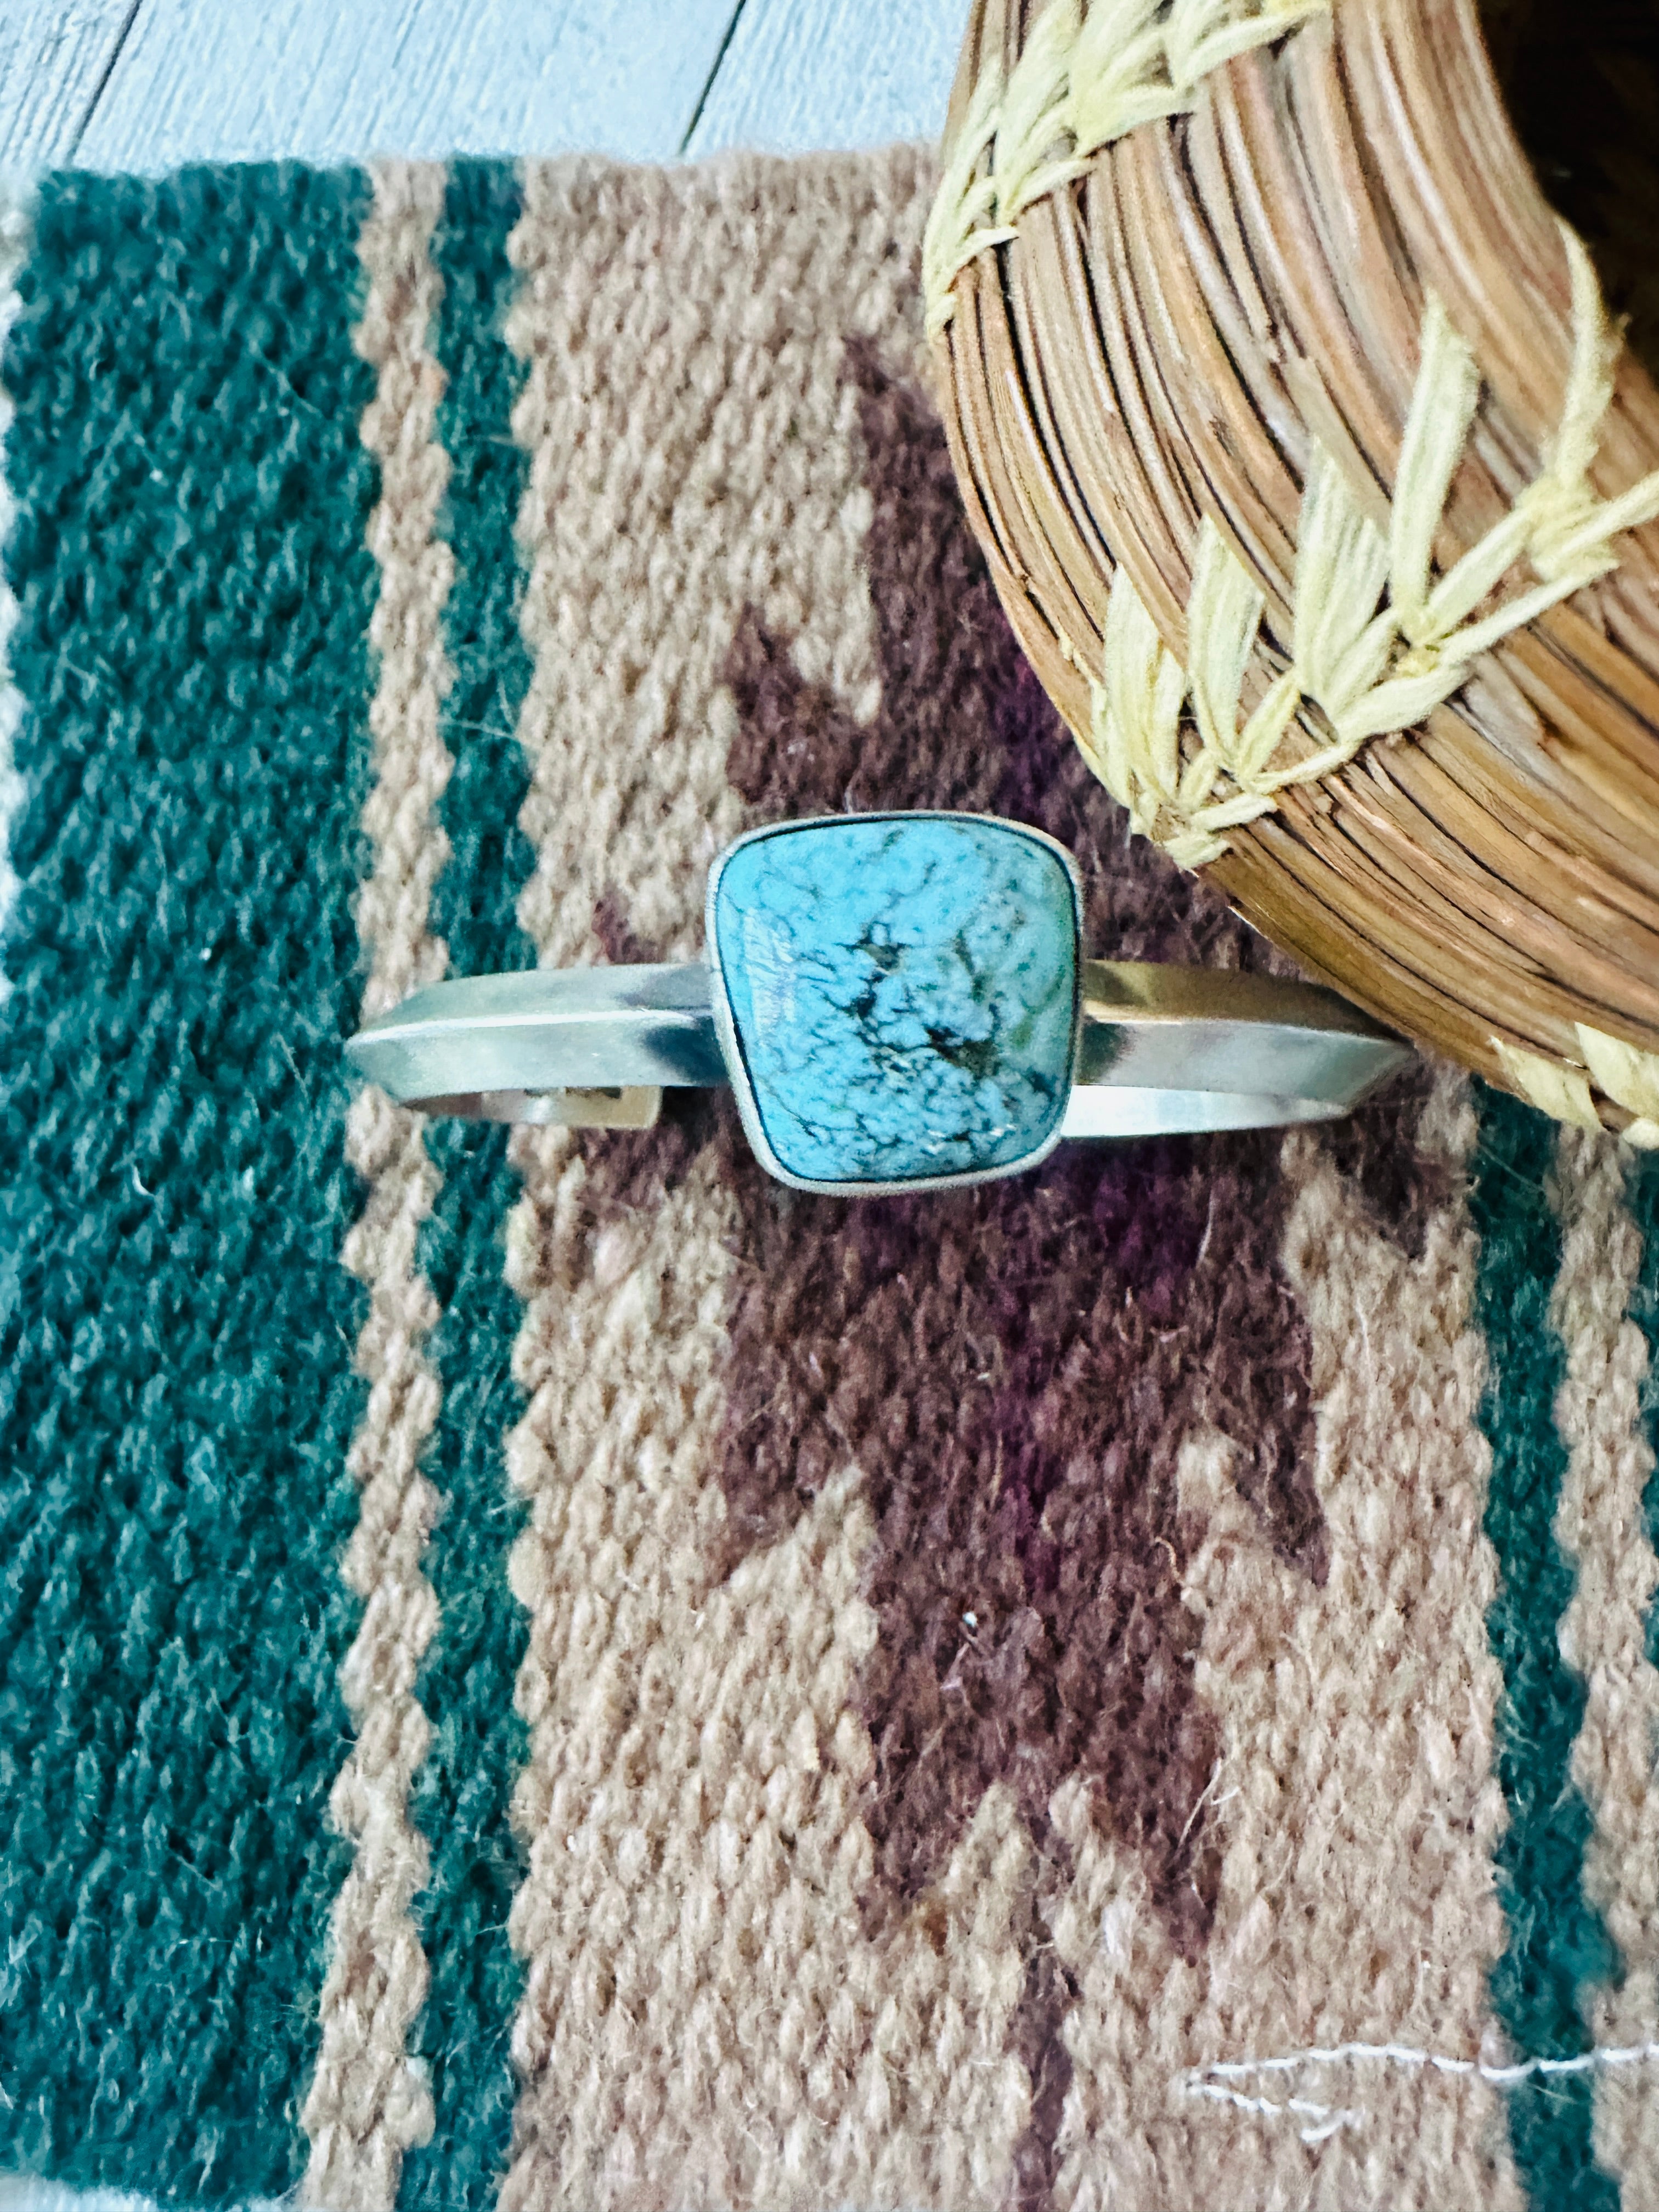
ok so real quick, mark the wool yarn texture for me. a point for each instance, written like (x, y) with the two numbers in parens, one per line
(543, 1670)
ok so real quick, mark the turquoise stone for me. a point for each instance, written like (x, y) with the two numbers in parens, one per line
(901, 993)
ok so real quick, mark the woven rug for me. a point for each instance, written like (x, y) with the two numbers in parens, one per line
(547, 1669)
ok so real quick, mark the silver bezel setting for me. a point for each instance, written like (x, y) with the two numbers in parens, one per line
(731, 1049)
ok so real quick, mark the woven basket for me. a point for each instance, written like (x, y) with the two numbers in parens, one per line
(1319, 486)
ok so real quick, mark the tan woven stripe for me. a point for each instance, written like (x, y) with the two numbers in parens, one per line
(1601, 1526)
(649, 1695)
(704, 2019)
(1354, 1795)
(411, 763)
(694, 454)
(368, 2100)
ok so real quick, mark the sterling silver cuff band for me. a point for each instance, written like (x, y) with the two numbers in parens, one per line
(900, 1003)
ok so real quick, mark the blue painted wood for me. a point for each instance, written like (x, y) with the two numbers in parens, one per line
(53, 57)
(201, 80)
(800, 74)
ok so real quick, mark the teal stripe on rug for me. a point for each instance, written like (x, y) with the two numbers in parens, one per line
(461, 1796)
(176, 1392)
(1556, 1943)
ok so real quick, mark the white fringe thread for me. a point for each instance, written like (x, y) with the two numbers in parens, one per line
(1324, 2121)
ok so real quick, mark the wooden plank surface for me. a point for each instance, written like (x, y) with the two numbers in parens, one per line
(800, 74)
(233, 80)
(53, 57)
(225, 79)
